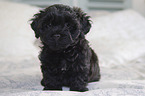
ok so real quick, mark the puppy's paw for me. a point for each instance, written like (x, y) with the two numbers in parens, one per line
(79, 89)
(48, 88)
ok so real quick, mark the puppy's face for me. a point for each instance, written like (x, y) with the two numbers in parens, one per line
(59, 30)
(58, 26)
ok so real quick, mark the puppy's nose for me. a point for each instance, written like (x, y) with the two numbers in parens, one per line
(56, 36)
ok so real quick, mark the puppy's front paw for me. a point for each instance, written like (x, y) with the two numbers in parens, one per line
(79, 89)
(48, 88)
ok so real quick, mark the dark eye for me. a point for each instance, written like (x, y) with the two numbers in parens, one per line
(46, 26)
(49, 25)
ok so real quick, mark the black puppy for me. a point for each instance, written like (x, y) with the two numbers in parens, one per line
(67, 59)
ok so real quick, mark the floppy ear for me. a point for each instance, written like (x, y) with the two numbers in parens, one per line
(36, 22)
(34, 26)
(84, 20)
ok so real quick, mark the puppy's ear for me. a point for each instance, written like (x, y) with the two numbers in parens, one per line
(36, 22)
(34, 26)
(84, 20)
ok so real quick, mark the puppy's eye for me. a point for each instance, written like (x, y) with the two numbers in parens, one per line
(49, 25)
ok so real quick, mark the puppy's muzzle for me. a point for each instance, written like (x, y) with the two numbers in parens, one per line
(56, 37)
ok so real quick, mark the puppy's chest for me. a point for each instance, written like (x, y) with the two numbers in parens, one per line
(70, 55)
(64, 61)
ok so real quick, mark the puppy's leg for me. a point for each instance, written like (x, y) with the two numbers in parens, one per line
(79, 81)
(50, 81)
(94, 74)
(79, 77)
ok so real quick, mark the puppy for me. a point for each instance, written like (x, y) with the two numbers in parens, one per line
(66, 58)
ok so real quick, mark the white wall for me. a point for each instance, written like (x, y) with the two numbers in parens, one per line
(139, 6)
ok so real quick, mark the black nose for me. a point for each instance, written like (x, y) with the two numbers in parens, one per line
(56, 36)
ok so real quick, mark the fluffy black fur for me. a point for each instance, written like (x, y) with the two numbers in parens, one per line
(67, 59)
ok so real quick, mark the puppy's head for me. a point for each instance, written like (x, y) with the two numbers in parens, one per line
(59, 26)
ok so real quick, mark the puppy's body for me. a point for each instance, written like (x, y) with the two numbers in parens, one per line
(67, 59)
